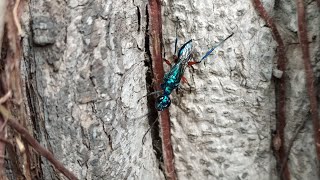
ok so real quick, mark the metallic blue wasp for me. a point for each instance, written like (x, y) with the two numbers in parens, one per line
(172, 79)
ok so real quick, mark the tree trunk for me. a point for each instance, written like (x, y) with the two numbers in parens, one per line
(87, 67)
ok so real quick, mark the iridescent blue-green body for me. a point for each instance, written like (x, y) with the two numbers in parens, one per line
(172, 79)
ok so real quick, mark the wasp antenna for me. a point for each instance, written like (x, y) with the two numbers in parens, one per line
(208, 53)
(156, 92)
(175, 46)
(215, 46)
(224, 40)
(144, 136)
(228, 36)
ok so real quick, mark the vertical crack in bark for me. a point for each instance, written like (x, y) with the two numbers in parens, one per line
(139, 18)
(35, 120)
(303, 38)
(152, 114)
(35, 105)
(158, 74)
(280, 88)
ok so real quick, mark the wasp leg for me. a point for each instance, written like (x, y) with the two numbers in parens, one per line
(144, 136)
(175, 58)
(175, 46)
(184, 80)
(176, 42)
(167, 62)
(191, 63)
(181, 89)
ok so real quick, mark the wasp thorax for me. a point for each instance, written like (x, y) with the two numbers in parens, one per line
(162, 102)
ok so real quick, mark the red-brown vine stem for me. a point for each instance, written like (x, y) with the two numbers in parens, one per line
(158, 73)
(280, 152)
(303, 38)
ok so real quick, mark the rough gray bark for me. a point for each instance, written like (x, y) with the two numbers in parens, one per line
(85, 72)
(222, 129)
(302, 158)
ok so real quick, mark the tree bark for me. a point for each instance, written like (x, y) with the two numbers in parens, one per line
(84, 62)
(86, 67)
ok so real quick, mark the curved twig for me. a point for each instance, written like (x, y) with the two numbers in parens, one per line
(15, 17)
(34, 143)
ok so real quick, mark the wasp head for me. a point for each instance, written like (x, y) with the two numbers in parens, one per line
(162, 102)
